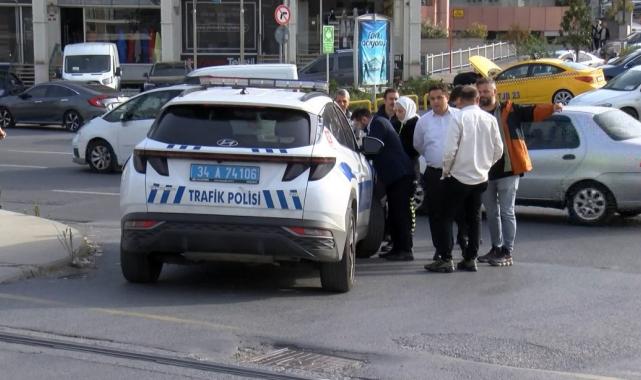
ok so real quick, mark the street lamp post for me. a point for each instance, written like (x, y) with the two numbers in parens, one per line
(242, 32)
(195, 35)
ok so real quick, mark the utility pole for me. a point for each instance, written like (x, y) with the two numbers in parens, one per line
(242, 32)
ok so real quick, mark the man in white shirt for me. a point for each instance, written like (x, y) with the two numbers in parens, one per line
(429, 141)
(472, 146)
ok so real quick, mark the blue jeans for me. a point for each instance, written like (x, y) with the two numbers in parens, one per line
(499, 200)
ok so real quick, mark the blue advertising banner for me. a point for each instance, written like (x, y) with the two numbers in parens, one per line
(373, 52)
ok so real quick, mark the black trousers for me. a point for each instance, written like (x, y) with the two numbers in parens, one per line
(434, 196)
(400, 214)
(467, 197)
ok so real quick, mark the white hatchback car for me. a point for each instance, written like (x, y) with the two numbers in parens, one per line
(250, 174)
(107, 141)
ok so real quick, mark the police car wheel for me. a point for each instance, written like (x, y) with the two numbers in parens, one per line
(375, 232)
(139, 268)
(339, 276)
(101, 157)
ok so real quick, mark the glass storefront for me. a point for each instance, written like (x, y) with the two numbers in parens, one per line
(136, 32)
(16, 34)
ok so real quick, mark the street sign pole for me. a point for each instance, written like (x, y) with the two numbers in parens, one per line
(195, 4)
(327, 48)
(242, 32)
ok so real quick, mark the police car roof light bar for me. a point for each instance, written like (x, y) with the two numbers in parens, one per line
(209, 81)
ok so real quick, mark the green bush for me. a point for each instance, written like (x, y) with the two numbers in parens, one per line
(475, 30)
(429, 30)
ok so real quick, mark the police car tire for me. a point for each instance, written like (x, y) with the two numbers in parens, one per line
(375, 232)
(339, 276)
(139, 268)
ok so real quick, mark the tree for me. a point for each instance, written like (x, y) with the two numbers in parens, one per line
(576, 26)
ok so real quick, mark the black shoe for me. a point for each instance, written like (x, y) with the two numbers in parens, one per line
(503, 259)
(399, 256)
(493, 253)
(387, 247)
(467, 265)
(441, 266)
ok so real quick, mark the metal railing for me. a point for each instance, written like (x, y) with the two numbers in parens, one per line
(437, 63)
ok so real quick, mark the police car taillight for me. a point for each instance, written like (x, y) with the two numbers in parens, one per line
(309, 232)
(160, 165)
(141, 224)
(319, 170)
(140, 162)
(293, 171)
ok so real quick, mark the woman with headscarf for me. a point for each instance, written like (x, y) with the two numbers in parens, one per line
(405, 110)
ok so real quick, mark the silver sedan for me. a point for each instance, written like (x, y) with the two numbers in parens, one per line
(585, 159)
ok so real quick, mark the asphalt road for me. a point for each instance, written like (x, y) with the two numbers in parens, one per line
(568, 309)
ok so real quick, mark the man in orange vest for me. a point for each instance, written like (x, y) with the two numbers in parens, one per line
(500, 196)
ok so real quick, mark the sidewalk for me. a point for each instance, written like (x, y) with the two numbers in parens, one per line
(29, 246)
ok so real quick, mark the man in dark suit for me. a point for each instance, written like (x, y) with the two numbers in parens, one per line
(394, 169)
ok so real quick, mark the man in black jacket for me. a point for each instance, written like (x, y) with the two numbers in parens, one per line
(386, 110)
(394, 169)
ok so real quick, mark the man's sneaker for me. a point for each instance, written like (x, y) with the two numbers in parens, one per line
(436, 257)
(493, 253)
(503, 259)
(441, 266)
(387, 247)
(399, 256)
(467, 265)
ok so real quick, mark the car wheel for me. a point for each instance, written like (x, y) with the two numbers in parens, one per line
(339, 276)
(375, 232)
(591, 204)
(562, 96)
(72, 121)
(101, 157)
(629, 214)
(139, 267)
(6, 119)
(631, 111)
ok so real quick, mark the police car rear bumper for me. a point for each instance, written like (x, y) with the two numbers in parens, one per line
(228, 236)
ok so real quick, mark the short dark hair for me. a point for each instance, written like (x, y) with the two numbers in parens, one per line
(389, 91)
(469, 93)
(361, 112)
(482, 81)
(456, 93)
(438, 87)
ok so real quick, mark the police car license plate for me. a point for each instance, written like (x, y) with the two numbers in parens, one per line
(225, 173)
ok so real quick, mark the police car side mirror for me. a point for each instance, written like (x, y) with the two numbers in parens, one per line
(371, 145)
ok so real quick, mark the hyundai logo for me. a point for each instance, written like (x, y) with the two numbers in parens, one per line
(227, 142)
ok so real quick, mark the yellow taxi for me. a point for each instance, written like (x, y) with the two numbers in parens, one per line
(540, 80)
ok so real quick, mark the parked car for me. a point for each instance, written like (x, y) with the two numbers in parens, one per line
(164, 74)
(250, 175)
(622, 92)
(585, 58)
(621, 64)
(585, 159)
(341, 68)
(541, 80)
(64, 103)
(106, 142)
(10, 84)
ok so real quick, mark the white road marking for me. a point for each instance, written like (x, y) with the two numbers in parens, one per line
(23, 166)
(86, 192)
(35, 152)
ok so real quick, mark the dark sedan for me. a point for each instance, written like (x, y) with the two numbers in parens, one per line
(165, 74)
(64, 103)
(621, 64)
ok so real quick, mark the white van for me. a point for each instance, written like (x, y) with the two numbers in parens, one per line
(92, 62)
(261, 70)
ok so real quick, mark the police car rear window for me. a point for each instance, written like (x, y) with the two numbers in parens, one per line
(251, 127)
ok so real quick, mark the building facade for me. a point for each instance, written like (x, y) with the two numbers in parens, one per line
(34, 32)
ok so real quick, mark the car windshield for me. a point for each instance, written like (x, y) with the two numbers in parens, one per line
(249, 127)
(618, 125)
(169, 70)
(627, 81)
(83, 64)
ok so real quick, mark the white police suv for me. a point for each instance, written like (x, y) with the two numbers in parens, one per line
(245, 170)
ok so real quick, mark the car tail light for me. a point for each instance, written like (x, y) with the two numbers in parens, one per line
(309, 232)
(96, 101)
(140, 162)
(320, 167)
(160, 165)
(293, 171)
(585, 78)
(141, 224)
